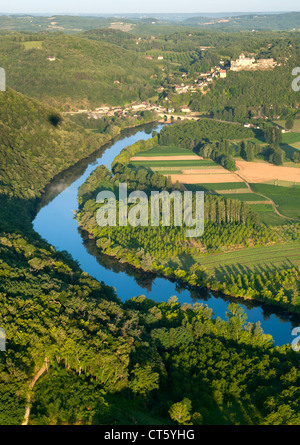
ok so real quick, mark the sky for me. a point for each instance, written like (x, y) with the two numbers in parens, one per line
(138, 6)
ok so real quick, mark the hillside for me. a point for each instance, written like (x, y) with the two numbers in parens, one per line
(109, 362)
(84, 74)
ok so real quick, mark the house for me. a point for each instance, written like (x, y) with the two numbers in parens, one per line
(51, 58)
(160, 57)
(139, 107)
(222, 74)
(185, 110)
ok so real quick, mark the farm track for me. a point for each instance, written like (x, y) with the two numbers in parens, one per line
(252, 261)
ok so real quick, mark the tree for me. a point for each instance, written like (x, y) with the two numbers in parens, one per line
(278, 157)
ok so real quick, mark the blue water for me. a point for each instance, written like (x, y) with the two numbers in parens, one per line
(55, 222)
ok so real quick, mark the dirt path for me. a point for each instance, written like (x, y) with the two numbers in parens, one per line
(167, 158)
(31, 385)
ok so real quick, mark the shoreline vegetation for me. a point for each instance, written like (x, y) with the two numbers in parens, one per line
(75, 353)
(103, 355)
(273, 286)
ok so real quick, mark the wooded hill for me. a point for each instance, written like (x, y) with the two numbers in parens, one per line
(104, 361)
(283, 21)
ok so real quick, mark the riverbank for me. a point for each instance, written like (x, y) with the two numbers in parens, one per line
(55, 223)
(195, 263)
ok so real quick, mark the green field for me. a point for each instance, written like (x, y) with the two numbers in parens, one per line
(287, 199)
(244, 196)
(256, 259)
(34, 44)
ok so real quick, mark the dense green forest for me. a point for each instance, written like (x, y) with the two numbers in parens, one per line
(152, 23)
(138, 362)
(97, 59)
(82, 75)
(222, 141)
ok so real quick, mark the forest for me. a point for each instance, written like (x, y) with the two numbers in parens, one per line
(83, 74)
(229, 224)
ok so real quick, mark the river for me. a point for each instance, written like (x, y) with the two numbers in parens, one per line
(56, 223)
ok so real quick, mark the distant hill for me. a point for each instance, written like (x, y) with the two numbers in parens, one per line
(259, 22)
(82, 73)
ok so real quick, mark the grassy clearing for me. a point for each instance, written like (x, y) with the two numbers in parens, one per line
(166, 172)
(261, 207)
(296, 126)
(179, 164)
(290, 138)
(256, 259)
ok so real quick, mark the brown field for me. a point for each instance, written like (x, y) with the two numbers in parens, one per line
(205, 178)
(263, 172)
(166, 158)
